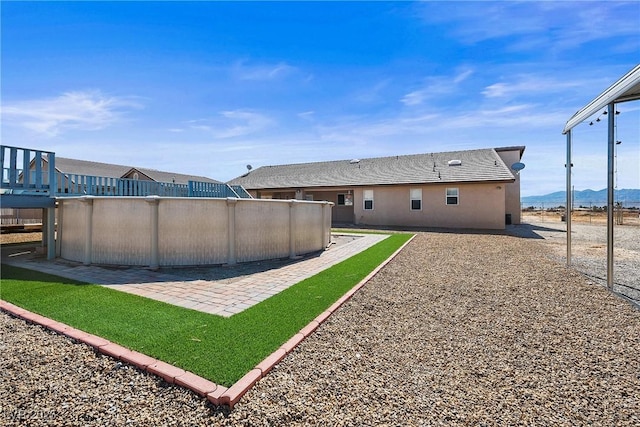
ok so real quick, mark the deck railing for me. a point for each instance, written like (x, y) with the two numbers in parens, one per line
(30, 172)
(241, 192)
(24, 172)
(212, 189)
(86, 185)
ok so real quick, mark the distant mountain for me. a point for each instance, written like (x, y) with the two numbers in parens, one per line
(586, 198)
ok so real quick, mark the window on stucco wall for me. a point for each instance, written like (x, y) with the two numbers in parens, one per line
(452, 196)
(345, 199)
(367, 197)
(415, 194)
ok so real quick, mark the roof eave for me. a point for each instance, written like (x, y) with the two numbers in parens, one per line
(520, 148)
(383, 184)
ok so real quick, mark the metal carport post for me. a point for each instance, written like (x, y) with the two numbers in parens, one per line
(627, 88)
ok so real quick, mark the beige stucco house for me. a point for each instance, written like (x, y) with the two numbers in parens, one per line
(457, 189)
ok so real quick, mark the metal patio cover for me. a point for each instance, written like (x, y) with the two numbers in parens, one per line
(627, 88)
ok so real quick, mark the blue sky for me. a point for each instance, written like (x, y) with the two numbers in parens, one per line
(206, 88)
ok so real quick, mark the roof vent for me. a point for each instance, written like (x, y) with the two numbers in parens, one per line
(354, 161)
(455, 162)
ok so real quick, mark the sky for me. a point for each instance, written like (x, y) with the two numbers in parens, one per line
(207, 88)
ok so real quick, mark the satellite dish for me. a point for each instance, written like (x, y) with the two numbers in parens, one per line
(517, 166)
(249, 167)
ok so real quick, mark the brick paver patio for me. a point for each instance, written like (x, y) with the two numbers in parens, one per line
(221, 290)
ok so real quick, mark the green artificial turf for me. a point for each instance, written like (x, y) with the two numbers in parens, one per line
(214, 347)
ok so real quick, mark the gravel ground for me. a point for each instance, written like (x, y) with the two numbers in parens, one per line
(589, 251)
(459, 329)
(20, 238)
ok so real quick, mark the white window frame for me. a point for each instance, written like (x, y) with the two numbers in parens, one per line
(415, 194)
(367, 196)
(449, 193)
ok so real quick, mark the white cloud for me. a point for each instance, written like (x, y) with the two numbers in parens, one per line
(528, 85)
(528, 25)
(77, 110)
(414, 98)
(307, 115)
(436, 86)
(373, 93)
(243, 71)
(233, 123)
(462, 76)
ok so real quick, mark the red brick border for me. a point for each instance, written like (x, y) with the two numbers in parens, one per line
(216, 394)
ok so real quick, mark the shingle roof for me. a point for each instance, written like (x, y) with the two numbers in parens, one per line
(84, 167)
(476, 166)
(178, 178)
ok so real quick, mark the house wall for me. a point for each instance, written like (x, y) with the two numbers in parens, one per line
(342, 214)
(512, 202)
(164, 231)
(480, 206)
(279, 194)
(339, 213)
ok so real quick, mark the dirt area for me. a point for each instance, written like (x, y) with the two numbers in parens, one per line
(9, 238)
(631, 218)
(589, 249)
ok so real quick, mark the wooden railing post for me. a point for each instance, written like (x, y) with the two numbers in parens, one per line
(52, 172)
(26, 168)
(13, 167)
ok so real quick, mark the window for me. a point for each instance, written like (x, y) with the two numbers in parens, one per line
(452, 196)
(345, 200)
(367, 196)
(415, 194)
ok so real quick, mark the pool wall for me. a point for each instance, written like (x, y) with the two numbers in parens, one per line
(178, 231)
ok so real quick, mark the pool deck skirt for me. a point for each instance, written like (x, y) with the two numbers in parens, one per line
(238, 288)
